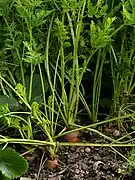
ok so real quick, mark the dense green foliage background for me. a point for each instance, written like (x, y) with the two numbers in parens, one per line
(65, 63)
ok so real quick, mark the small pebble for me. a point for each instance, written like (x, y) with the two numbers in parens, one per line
(82, 175)
(116, 133)
(82, 172)
(77, 171)
(72, 149)
(91, 162)
(108, 172)
(76, 176)
(84, 166)
(82, 150)
(105, 167)
(97, 157)
(109, 177)
(76, 155)
(87, 149)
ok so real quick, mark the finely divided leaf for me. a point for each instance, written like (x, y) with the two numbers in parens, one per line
(4, 109)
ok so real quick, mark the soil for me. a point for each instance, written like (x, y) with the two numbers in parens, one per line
(82, 163)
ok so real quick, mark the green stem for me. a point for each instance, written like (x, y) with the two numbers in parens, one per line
(64, 95)
(94, 145)
(44, 127)
(30, 131)
(3, 89)
(54, 100)
(117, 30)
(42, 143)
(13, 80)
(95, 86)
(12, 113)
(22, 73)
(120, 154)
(43, 90)
(26, 141)
(86, 64)
(46, 62)
(129, 134)
(86, 106)
(31, 82)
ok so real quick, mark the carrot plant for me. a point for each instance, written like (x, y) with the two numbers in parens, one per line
(81, 55)
(70, 75)
(101, 35)
(29, 55)
(122, 63)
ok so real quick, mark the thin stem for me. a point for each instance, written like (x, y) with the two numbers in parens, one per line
(120, 154)
(94, 145)
(42, 143)
(12, 113)
(43, 90)
(31, 82)
(95, 86)
(117, 30)
(13, 80)
(3, 89)
(53, 126)
(85, 105)
(26, 141)
(78, 33)
(46, 62)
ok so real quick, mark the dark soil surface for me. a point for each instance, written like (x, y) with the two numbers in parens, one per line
(82, 163)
